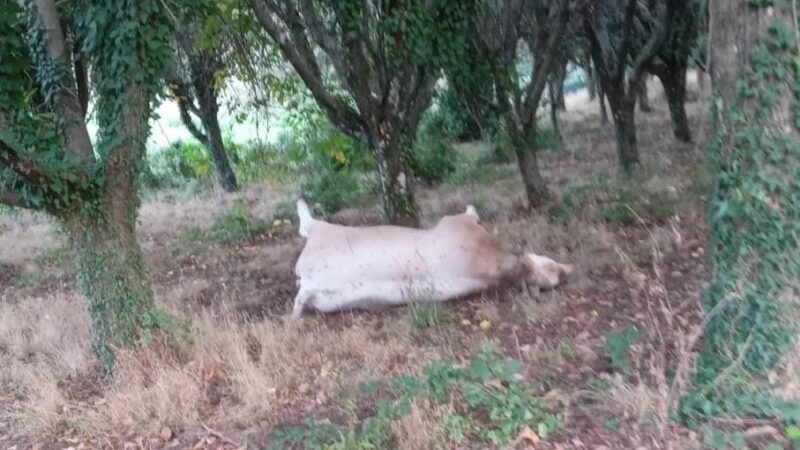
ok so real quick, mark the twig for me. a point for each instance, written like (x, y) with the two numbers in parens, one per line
(736, 363)
(219, 435)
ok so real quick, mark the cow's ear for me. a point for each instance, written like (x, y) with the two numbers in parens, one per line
(472, 212)
(544, 272)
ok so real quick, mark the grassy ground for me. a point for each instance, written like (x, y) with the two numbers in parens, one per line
(593, 356)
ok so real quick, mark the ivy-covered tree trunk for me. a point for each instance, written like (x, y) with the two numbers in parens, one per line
(394, 157)
(623, 110)
(113, 276)
(755, 218)
(112, 272)
(674, 81)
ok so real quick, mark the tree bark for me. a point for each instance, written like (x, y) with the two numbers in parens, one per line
(113, 276)
(754, 151)
(591, 80)
(525, 148)
(557, 85)
(674, 82)
(112, 273)
(644, 97)
(554, 111)
(393, 156)
(601, 99)
(207, 102)
(203, 66)
(623, 110)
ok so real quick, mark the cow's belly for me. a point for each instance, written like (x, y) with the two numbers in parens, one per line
(330, 296)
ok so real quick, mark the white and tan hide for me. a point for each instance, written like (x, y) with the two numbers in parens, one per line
(342, 268)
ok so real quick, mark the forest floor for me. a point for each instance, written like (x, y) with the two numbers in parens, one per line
(598, 349)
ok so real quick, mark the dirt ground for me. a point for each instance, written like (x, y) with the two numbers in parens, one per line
(246, 371)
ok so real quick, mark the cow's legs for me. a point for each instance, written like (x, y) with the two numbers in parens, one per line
(300, 301)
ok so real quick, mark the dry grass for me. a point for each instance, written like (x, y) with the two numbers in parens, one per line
(420, 427)
(256, 369)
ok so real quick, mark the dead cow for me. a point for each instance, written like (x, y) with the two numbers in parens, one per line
(343, 268)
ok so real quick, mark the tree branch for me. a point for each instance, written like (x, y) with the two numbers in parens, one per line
(653, 45)
(186, 106)
(76, 136)
(625, 47)
(29, 171)
(301, 56)
(189, 123)
(556, 23)
(352, 71)
(13, 200)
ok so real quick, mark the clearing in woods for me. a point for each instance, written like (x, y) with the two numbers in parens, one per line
(245, 376)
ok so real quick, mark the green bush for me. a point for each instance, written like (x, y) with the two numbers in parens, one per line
(434, 159)
(284, 210)
(237, 225)
(329, 189)
(309, 137)
(175, 166)
(618, 214)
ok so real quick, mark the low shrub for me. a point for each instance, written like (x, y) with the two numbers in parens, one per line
(329, 189)
(236, 225)
(434, 159)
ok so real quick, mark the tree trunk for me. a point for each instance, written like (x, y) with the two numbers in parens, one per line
(644, 98)
(207, 102)
(601, 97)
(112, 273)
(755, 268)
(525, 148)
(591, 81)
(554, 112)
(393, 157)
(113, 276)
(215, 146)
(674, 82)
(623, 109)
(557, 84)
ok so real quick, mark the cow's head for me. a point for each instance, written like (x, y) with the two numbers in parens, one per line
(545, 273)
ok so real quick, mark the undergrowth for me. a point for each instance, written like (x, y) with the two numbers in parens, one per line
(489, 404)
(236, 225)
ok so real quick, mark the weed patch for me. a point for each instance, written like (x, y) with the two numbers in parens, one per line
(237, 225)
(425, 315)
(489, 403)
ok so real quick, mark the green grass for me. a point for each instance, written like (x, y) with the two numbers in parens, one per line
(426, 315)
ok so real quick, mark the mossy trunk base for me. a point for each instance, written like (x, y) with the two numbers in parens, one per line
(113, 276)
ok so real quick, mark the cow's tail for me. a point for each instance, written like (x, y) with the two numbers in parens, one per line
(304, 214)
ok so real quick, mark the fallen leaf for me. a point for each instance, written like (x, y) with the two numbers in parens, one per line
(485, 324)
(495, 383)
(166, 434)
(303, 388)
(528, 436)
